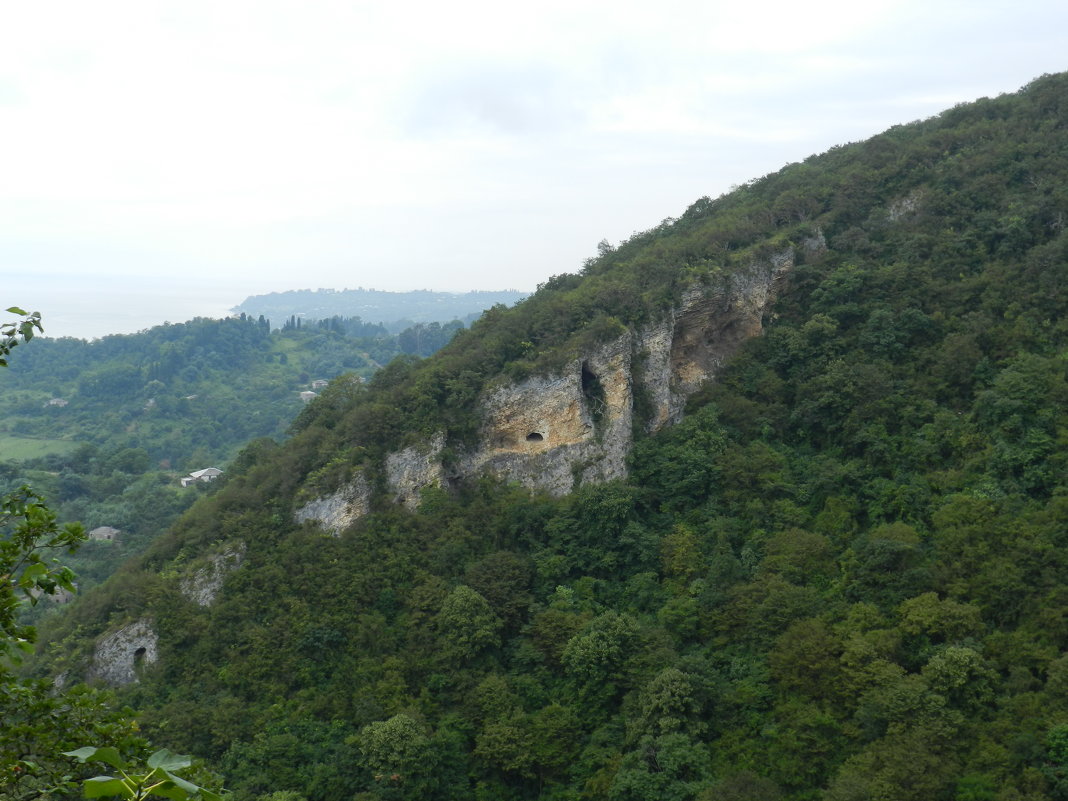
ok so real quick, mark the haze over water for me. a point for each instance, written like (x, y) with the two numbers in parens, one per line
(91, 307)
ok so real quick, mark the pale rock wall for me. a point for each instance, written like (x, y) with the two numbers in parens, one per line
(410, 470)
(540, 432)
(203, 585)
(555, 431)
(653, 359)
(118, 656)
(815, 245)
(683, 352)
(904, 206)
(549, 431)
(339, 510)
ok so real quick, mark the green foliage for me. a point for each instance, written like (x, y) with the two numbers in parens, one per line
(39, 720)
(157, 778)
(28, 530)
(16, 332)
(841, 576)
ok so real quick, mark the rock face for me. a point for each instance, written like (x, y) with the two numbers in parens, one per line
(905, 206)
(410, 470)
(338, 511)
(550, 431)
(710, 327)
(118, 656)
(203, 585)
(554, 432)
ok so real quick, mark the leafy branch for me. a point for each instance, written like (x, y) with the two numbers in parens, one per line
(160, 780)
(14, 332)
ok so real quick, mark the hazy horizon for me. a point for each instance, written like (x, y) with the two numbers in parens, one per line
(164, 160)
(80, 307)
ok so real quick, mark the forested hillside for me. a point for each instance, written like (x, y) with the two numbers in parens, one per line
(104, 429)
(843, 575)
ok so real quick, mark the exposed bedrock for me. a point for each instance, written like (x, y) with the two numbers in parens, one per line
(553, 432)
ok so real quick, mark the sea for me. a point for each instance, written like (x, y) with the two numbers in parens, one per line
(90, 307)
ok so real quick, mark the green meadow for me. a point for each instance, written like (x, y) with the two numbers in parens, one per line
(19, 448)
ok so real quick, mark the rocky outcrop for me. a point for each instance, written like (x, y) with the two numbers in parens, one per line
(409, 471)
(339, 510)
(553, 432)
(549, 432)
(556, 431)
(904, 207)
(708, 329)
(119, 656)
(203, 585)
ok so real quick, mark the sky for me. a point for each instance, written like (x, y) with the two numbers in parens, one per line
(161, 160)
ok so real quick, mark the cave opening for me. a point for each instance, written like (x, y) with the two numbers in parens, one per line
(535, 436)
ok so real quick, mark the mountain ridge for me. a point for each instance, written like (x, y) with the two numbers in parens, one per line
(835, 577)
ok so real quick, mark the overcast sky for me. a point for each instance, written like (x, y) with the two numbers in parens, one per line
(160, 160)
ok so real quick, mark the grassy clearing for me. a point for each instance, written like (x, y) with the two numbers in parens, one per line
(18, 448)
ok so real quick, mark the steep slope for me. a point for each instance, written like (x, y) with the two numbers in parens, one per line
(612, 544)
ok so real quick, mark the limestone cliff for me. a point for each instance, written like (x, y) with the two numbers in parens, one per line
(552, 432)
(411, 469)
(203, 584)
(119, 656)
(340, 509)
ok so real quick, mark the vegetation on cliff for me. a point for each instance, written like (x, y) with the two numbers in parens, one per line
(842, 576)
(103, 429)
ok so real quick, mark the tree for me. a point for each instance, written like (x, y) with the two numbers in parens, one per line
(15, 332)
(28, 529)
(39, 722)
(34, 722)
(399, 756)
(136, 785)
(467, 624)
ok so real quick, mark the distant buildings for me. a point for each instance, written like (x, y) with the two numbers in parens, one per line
(308, 395)
(56, 402)
(206, 475)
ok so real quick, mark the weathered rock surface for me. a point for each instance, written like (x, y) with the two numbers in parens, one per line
(339, 510)
(119, 655)
(550, 431)
(410, 470)
(553, 432)
(905, 206)
(710, 327)
(203, 585)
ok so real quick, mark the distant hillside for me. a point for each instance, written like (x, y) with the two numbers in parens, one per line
(103, 429)
(395, 310)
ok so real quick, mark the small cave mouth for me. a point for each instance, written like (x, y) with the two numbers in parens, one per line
(139, 656)
(535, 436)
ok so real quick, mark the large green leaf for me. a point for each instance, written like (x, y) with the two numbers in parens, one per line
(169, 789)
(186, 785)
(167, 760)
(89, 753)
(104, 787)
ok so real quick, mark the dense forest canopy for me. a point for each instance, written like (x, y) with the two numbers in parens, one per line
(103, 429)
(842, 576)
